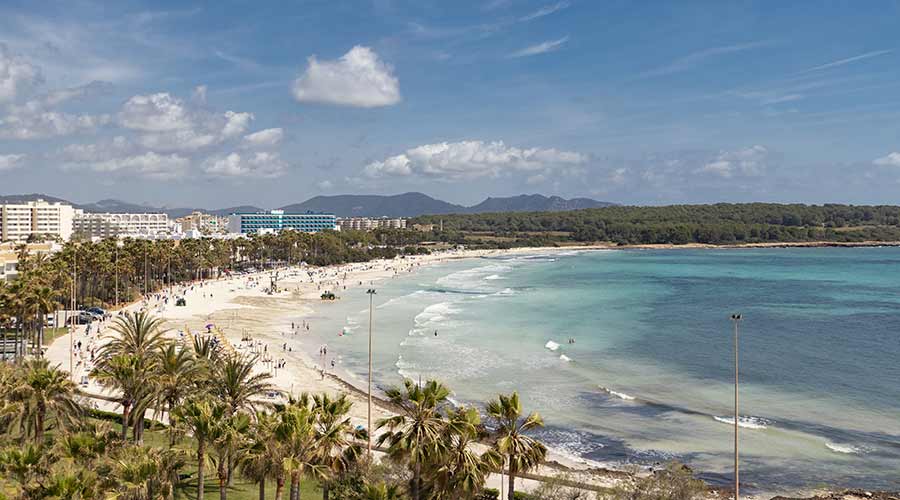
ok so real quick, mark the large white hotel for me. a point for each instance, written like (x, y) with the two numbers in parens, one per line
(20, 221)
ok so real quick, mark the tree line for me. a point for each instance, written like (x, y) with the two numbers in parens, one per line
(723, 223)
(111, 271)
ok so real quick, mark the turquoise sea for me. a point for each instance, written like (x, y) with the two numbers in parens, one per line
(649, 377)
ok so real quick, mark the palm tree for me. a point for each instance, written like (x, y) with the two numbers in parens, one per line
(263, 457)
(140, 335)
(229, 441)
(44, 391)
(296, 430)
(125, 374)
(235, 384)
(337, 438)
(461, 472)
(140, 473)
(521, 452)
(415, 434)
(176, 374)
(381, 491)
(24, 465)
(42, 302)
(203, 419)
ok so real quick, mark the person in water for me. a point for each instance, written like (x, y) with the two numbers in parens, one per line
(435, 333)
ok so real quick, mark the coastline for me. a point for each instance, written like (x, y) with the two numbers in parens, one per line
(238, 306)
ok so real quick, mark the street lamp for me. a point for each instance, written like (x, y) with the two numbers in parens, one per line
(371, 292)
(736, 319)
(74, 311)
(119, 244)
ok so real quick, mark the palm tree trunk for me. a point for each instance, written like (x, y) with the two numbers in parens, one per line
(279, 486)
(325, 488)
(125, 407)
(201, 462)
(295, 485)
(138, 427)
(39, 423)
(417, 474)
(223, 481)
(262, 489)
(512, 480)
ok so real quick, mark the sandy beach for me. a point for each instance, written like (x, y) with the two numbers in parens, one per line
(241, 311)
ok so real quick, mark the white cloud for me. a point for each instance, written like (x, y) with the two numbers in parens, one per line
(541, 48)
(751, 161)
(325, 185)
(169, 124)
(267, 137)
(149, 165)
(546, 11)
(199, 94)
(155, 113)
(359, 78)
(33, 120)
(17, 75)
(891, 160)
(474, 159)
(848, 60)
(257, 165)
(9, 162)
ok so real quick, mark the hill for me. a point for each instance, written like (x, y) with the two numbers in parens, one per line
(534, 203)
(400, 205)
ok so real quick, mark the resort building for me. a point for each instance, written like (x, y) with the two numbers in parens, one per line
(20, 221)
(277, 220)
(107, 225)
(368, 223)
(204, 223)
(9, 256)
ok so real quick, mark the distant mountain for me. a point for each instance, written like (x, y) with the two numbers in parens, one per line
(400, 205)
(349, 205)
(535, 203)
(22, 198)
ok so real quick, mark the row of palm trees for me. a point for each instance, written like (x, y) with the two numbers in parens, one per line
(220, 401)
(113, 271)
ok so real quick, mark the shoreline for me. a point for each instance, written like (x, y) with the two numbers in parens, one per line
(268, 319)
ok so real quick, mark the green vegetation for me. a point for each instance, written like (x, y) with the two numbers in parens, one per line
(717, 224)
(224, 435)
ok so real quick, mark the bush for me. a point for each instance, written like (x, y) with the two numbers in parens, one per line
(488, 494)
(675, 482)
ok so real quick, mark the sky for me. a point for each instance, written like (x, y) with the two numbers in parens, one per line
(217, 104)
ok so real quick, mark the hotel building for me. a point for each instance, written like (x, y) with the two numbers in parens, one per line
(368, 223)
(18, 221)
(277, 220)
(107, 225)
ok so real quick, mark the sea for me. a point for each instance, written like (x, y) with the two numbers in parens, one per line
(629, 354)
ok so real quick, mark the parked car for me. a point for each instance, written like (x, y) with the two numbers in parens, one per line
(81, 318)
(97, 311)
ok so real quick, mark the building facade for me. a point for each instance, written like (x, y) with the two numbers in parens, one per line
(9, 256)
(277, 220)
(20, 221)
(370, 223)
(204, 223)
(108, 225)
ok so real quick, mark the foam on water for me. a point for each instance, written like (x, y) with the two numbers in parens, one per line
(747, 422)
(843, 448)
(620, 395)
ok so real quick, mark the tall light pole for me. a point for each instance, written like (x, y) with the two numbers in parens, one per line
(76, 317)
(118, 246)
(371, 293)
(736, 319)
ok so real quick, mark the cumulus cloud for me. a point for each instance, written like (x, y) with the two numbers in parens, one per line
(267, 137)
(167, 123)
(891, 160)
(359, 78)
(541, 48)
(9, 162)
(17, 75)
(33, 120)
(749, 161)
(255, 165)
(474, 159)
(149, 165)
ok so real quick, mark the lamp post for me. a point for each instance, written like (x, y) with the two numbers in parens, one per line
(119, 245)
(76, 317)
(736, 319)
(371, 293)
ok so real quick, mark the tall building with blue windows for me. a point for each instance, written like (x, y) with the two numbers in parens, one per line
(277, 220)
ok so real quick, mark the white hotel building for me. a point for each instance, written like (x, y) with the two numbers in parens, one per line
(18, 221)
(108, 225)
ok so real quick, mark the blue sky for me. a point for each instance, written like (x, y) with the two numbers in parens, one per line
(268, 103)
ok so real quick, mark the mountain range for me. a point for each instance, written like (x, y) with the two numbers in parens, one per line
(400, 205)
